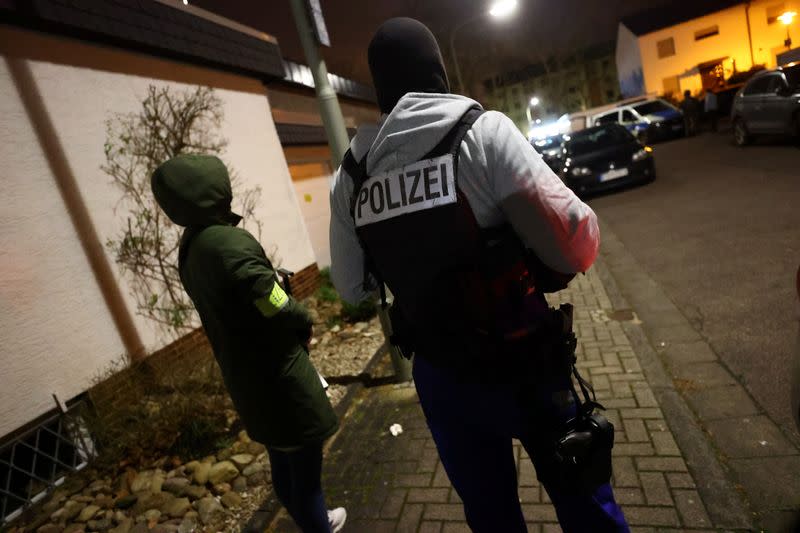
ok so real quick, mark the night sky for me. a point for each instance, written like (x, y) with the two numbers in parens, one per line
(538, 29)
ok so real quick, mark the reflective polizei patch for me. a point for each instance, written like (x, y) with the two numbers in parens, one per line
(416, 187)
(273, 302)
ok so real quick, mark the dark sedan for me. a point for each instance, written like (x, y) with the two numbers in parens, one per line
(551, 149)
(605, 157)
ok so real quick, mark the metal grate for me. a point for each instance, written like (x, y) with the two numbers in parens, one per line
(36, 461)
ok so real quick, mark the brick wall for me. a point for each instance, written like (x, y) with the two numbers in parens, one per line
(305, 282)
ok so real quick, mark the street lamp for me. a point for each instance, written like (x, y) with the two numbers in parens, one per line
(499, 9)
(786, 19)
(534, 101)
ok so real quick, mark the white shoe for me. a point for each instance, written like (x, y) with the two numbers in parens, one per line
(337, 518)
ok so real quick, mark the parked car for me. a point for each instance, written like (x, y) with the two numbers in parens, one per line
(650, 121)
(552, 150)
(605, 157)
(768, 104)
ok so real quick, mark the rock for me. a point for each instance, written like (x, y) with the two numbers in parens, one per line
(123, 526)
(239, 484)
(55, 501)
(177, 507)
(241, 460)
(99, 525)
(83, 499)
(200, 473)
(87, 513)
(104, 502)
(209, 509)
(158, 482)
(144, 481)
(126, 501)
(164, 528)
(220, 489)
(75, 528)
(98, 486)
(243, 436)
(50, 528)
(191, 465)
(71, 510)
(252, 468)
(257, 479)
(152, 516)
(193, 492)
(224, 455)
(175, 485)
(254, 448)
(140, 527)
(221, 472)
(149, 502)
(188, 525)
(336, 329)
(231, 500)
(358, 327)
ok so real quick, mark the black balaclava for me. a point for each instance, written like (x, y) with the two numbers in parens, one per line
(404, 57)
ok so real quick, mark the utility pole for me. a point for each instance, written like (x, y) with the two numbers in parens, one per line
(331, 113)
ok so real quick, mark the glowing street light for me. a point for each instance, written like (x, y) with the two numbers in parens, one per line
(503, 8)
(534, 101)
(786, 19)
(499, 9)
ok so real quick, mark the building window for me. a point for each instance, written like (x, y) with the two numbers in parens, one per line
(773, 12)
(705, 33)
(666, 48)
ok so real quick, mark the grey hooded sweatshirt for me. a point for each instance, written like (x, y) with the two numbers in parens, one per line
(502, 177)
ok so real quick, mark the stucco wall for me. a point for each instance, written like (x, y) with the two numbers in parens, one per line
(731, 42)
(629, 63)
(314, 196)
(56, 330)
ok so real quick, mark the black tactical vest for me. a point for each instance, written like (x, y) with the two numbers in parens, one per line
(462, 290)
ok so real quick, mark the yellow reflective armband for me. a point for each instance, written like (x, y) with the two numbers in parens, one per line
(270, 304)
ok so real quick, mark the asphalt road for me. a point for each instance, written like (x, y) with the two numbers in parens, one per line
(719, 230)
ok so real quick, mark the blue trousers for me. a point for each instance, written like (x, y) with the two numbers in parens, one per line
(473, 425)
(296, 478)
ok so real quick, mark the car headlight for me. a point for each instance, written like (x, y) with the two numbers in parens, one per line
(553, 153)
(642, 154)
(581, 171)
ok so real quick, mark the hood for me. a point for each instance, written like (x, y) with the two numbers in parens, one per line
(404, 57)
(194, 190)
(416, 125)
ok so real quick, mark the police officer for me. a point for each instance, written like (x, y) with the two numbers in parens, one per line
(442, 202)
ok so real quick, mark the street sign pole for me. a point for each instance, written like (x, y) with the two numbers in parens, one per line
(331, 113)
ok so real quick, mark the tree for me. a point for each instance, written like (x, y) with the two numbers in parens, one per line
(169, 122)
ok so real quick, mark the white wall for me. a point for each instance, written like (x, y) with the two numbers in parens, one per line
(55, 328)
(629, 63)
(314, 197)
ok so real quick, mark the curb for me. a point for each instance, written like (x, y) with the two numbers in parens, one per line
(727, 507)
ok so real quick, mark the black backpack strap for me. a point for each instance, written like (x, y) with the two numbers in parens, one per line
(357, 170)
(451, 143)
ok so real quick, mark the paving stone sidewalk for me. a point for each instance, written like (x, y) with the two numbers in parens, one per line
(398, 483)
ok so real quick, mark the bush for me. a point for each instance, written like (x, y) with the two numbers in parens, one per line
(361, 312)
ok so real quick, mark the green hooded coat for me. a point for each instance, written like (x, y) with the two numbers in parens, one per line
(255, 329)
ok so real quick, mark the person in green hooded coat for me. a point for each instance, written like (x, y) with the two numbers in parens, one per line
(258, 333)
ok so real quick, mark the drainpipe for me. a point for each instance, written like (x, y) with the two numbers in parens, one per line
(331, 113)
(68, 187)
(749, 34)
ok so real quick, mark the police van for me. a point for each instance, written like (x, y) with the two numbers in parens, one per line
(650, 120)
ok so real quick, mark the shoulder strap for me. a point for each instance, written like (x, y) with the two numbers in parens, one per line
(357, 170)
